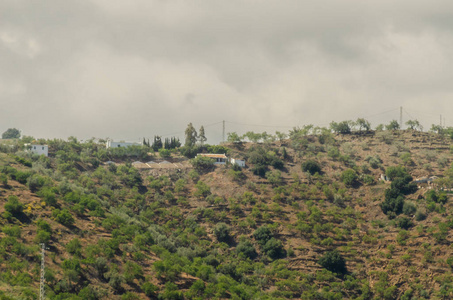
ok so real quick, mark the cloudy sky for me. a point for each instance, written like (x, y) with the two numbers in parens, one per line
(137, 68)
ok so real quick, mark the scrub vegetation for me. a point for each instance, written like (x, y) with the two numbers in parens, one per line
(307, 218)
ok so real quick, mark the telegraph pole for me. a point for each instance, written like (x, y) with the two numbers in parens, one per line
(42, 282)
(223, 135)
(401, 117)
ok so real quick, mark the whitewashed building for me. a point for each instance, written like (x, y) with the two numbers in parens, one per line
(112, 144)
(239, 162)
(39, 149)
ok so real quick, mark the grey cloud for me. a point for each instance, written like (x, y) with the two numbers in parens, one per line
(127, 69)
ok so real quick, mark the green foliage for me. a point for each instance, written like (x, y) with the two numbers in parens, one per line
(233, 137)
(274, 249)
(13, 206)
(247, 249)
(311, 167)
(74, 247)
(11, 133)
(262, 235)
(349, 177)
(202, 189)
(393, 125)
(341, 127)
(333, 261)
(164, 153)
(404, 223)
(63, 217)
(149, 289)
(202, 163)
(191, 136)
(222, 232)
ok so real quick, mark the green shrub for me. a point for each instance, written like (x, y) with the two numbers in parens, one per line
(349, 177)
(63, 217)
(222, 232)
(247, 249)
(404, 223)
(74, 247)
(274, 249)
(13, 206)
(202, 163)
(262, 235)
(150, 289)
(311, 167)
(333, 261)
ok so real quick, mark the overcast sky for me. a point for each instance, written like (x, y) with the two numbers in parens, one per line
(137, 68)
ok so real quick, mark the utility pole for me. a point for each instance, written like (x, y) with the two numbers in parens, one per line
(42, 282)
(401, 117)
(223, 135)
(440, 120)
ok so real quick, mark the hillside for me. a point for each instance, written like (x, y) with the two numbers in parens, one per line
(304, 219)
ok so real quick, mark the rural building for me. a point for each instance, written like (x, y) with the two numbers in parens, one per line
(240, 163)
(39, 149)
(111, 144)
(219, 159)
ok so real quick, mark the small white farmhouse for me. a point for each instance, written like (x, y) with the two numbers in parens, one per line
(240, 163)
(111, 144)
(40, 149)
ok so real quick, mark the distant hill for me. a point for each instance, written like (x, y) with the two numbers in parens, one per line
(308, 217)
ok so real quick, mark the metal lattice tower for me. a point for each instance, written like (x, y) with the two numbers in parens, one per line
(42, 282)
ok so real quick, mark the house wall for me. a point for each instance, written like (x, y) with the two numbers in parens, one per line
(111, 144)
(240, 163)
(40, 149)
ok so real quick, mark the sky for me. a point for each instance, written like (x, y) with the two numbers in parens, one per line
(131, 69)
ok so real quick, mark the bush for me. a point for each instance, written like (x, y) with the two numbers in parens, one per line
(311, 167)
(247, 249)
(420, 216)
(222, 232)
(74, 247)
(262, 235)
(349, 177)
(149, 289)
(404, 223)
(333, 261)
(13, 206)
(409, 208)
(63, 217)
(274, 249)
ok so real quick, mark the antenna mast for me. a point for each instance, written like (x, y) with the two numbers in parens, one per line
(223, 135)
(42, 282)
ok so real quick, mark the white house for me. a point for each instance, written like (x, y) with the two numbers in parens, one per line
(240, 163)
(40, 149)
(219, 159)
(111, 144)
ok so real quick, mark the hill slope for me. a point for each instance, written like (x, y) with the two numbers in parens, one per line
(270, 230)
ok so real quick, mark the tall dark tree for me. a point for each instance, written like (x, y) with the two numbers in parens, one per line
(191, 135)
(157, 144)
(11, 133)
(202, 136)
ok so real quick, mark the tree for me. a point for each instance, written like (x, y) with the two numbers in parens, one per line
(363, 124)
(202, 137)
(280, 135)
(414, 125)
(222, 232)
(191, 135)
(349, 177)
(311, 167)
(393, 125)
(233, 137)
(11, 133)
(437, 129)
(343, 127)
(333, 261)
(157, 143)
